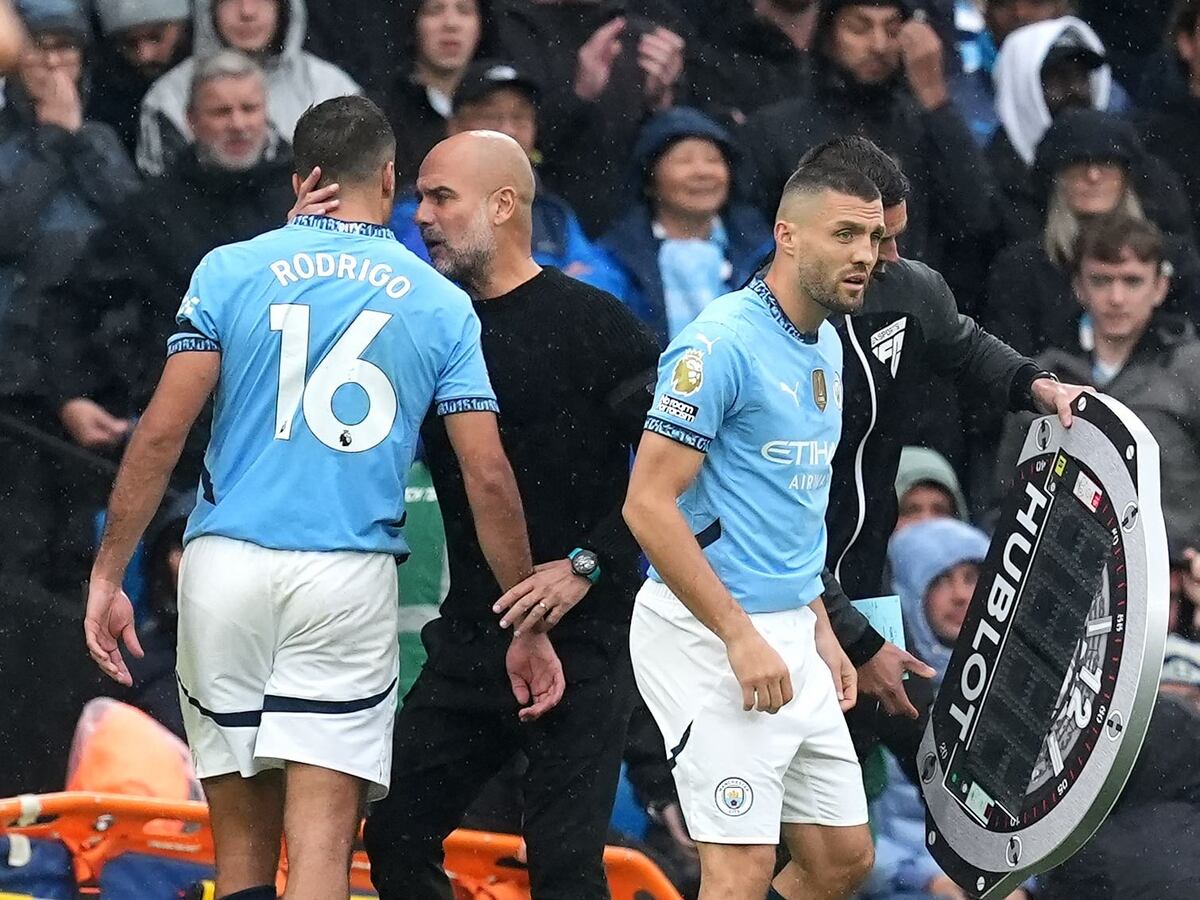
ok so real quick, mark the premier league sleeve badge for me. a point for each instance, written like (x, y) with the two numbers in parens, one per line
(1049, 692)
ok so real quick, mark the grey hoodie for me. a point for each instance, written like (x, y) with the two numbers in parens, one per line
(295, 81)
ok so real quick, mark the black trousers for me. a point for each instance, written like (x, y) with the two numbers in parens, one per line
(458, 727)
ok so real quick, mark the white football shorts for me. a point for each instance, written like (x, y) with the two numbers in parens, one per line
(288, 656)
(740, 774)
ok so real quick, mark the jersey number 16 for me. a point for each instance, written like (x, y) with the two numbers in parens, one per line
(342, 365)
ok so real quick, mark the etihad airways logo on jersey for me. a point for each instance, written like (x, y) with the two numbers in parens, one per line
(887, 343)
(799, 453)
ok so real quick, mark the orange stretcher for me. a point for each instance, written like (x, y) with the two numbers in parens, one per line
(103, 831)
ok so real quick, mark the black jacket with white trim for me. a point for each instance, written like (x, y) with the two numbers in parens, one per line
(908, 329)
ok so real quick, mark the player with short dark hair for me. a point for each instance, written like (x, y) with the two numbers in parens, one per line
(287, 655)
(731, 645)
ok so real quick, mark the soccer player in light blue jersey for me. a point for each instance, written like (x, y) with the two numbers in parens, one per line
(731, 644)
(326, 343)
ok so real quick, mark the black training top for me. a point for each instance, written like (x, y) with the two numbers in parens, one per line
(573, 370)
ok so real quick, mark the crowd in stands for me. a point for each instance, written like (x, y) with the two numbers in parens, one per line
(1050, 145)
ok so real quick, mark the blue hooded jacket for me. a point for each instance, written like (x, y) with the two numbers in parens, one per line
(918, 554)
(631, 242)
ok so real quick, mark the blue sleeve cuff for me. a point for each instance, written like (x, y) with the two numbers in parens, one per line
(678, 433)
(467, 404)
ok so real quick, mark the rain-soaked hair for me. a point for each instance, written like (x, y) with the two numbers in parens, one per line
(348, 137)
(857, 152)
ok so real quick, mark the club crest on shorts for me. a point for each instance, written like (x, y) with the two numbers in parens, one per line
(734, 796)
(689, 373)
(820, 389)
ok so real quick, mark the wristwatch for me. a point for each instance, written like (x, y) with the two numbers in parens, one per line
(585, 564)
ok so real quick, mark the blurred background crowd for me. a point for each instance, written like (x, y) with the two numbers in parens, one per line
(1051, 147)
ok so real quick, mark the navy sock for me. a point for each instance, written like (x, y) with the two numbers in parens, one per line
(265, 892)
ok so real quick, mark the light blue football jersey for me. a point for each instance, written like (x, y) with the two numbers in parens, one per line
(763, 402)
(335, 340)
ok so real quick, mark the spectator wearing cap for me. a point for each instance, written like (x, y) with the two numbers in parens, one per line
(604, 71)
(269, 31)
(1170, 127)
(974, 88)
(927, 488)
(62, 177)
(1147, 845)
(879, 73)
(1089, 164)
(686, 240)
(499, 97)
(142, 40)
(113, 315)
(1042, 70)
(446, 35)
(1144, 357)
(496, 96)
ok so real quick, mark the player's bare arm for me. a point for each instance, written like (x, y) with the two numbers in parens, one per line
(533, 666)
(845, 678)
(187, 381)
(662, 471)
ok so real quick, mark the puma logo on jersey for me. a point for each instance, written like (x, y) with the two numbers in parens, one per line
(794, 392)
(887, 343)
(704, 339)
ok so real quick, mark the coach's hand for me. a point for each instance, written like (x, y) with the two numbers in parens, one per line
(313, 201)
(109, 616)
(1051, 396)
(845, 678)
(542, 599)
(536, 675)
(760, 670)
(882, 676)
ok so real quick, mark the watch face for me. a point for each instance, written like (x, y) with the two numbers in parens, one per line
(584, 563)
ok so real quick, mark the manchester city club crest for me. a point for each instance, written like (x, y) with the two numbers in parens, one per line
(689, 373)
(820, 389)
(734, 796)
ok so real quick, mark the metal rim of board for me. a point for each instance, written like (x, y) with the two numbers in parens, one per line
(1118, 448)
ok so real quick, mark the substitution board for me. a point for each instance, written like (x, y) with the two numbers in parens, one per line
(1054, 676)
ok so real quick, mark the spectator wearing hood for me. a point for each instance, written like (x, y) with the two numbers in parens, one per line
(1089, 164)
(927, 488)
(686, 240)
(1147, 359)
(62, 177)
(878, 73)
(1170, 127)
(936, 564)
(112, 317)
(269, 31)
(446, 35)
(1042, 69)
(143, 39)
(604, 70)
(974, 88)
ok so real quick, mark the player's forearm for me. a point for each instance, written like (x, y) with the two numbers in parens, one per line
(500, 524)
(671, 547)
(137, 493)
